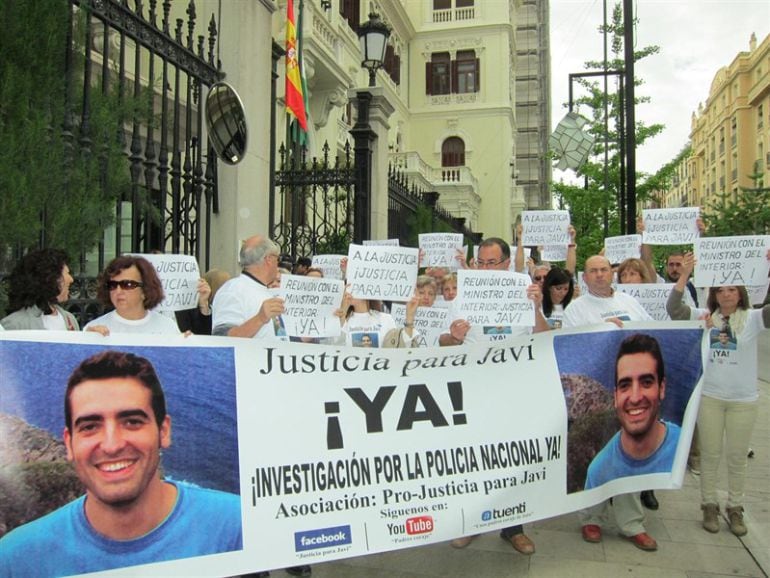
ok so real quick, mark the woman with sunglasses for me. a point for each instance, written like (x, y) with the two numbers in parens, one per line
(131, 285)
(38, 285)
(729, 404)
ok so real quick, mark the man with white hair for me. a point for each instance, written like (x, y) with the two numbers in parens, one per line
(245, 307)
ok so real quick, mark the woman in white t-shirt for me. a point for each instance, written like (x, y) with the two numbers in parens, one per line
(729, 403)
(558, 290)
(365, 325)
(131, 285)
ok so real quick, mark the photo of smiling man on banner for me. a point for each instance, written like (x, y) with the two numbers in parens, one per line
(116, 428)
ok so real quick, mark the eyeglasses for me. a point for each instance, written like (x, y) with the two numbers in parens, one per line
(125, 284)
(489, 263)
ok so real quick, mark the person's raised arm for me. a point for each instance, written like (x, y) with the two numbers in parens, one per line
(571, 263)
(675, 306)
(518, 261)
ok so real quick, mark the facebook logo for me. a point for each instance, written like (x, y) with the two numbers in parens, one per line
(322, 538)
(486, 516)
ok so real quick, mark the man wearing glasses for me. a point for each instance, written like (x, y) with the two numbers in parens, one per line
(245, 307)
(495, 254)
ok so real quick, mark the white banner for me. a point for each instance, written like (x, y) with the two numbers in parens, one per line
(334, 452)
(618, 249)
(731, 261)
(384, 273)
(310, 305)
(670, 226)
(329, 265)
(545, 227)
(440, 249)
(431, 322)
(179, 276)
(493, 298)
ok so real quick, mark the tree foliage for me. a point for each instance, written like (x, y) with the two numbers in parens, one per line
(747, 213)
(57, 187)
(588, 203)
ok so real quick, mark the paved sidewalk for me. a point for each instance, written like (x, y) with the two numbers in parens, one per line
(684, 548)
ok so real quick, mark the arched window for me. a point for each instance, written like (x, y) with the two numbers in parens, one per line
(453, 152)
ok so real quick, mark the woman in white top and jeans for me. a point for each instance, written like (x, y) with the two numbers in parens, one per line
(729, 403)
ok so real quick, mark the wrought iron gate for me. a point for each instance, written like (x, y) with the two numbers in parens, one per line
(311, 207)
(173, 170)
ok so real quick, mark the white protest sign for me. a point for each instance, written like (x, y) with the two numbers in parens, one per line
(618, 249)
(382, 242)
(329, 265)
(651, 296)
(493, 298)
(310, 304)
(758, 293)
(179, 276)
(384, 273)
(440, 249)
(670, 226)
(553, 253)
(545, 228)
(431, 322)
(731, 261)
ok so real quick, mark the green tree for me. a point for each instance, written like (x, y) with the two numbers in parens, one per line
(587, 203)
(56, 189)
(747, 213)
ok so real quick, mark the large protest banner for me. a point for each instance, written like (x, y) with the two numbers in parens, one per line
(339, 452)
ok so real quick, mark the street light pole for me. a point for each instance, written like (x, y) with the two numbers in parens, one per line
(628, 45)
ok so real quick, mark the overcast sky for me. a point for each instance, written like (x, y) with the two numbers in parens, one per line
(696, 38)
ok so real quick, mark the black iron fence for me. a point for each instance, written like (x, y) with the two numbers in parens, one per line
(312, 206)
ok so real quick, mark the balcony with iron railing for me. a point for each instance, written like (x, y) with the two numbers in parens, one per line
(454, 14)
(457, 186)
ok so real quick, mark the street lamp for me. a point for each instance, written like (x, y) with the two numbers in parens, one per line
(373, 36)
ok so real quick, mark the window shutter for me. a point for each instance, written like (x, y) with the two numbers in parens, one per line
(477, 76)
(397, 71)
(453, 77)
(428, 77)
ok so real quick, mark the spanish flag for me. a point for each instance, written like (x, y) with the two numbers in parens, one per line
(295, 104)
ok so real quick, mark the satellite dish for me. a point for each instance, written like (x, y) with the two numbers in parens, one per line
(226, 123)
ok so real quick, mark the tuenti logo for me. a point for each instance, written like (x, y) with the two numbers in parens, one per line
(322, 538)
(495, 514)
